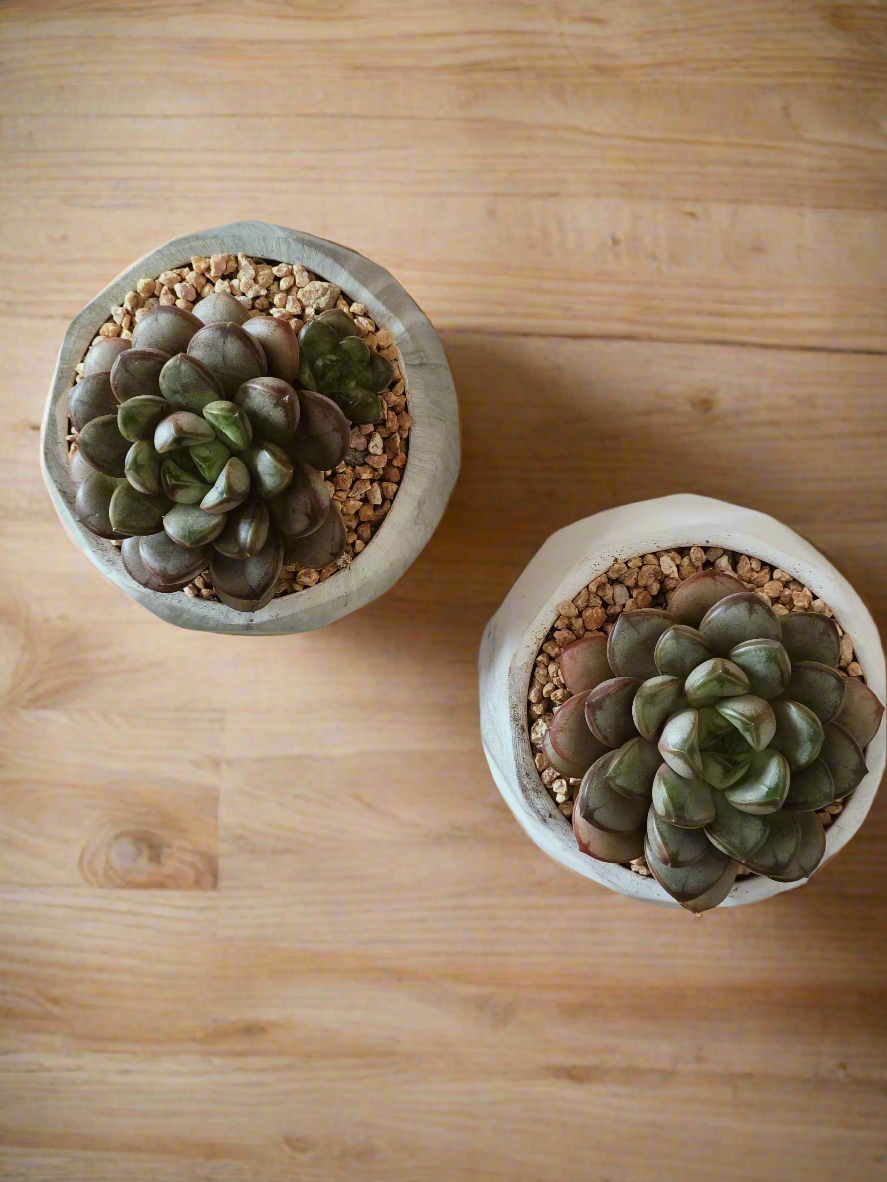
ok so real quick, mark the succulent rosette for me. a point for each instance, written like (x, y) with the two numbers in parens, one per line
(339, 363)
(707, 737)
(195, 446)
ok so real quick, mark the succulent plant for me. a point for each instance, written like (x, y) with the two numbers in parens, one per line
(338, 363)
(200, 452)
(707, 737)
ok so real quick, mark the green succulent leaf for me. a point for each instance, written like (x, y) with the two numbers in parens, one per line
(323, 434)
(671, 845)
(818, 687)
(181, 429)
(633, 768)
(736, 833)
(765, 664)
(318, 338)
(137, 372)
(696, 595)
(810, 851)
(169, 563)
(700, 886)
(102, 353)
(92, 504)
(272, 407)
(775, 856)
(167, 329)
(811, 789)
(685, 802)
(799, 734)
(248, 584)
(354, 351)
(606, 809)
(714, 679)
(271, 469)
(134, 513)
(752, 717)
(246, 530)
(136, 569)
(569, 745)
(231, 355)
(721, 771)
(187, 384)
(679, 650)
(633, 641)
(764, 786)
(605, 847)
(180, 486)
(358, 404)
(844, 758)
(737, 618)
(712, 729)
(103, 447)
(230, 489)
(381, 373)
(230, 423)
(280, 343)
(860, 712)
(583, 664)
(142, 468)
(192, 527)
(138, 417)
(91, 398)
(220, 307)
(320, 548)
(679, 744)
(808, 636)
(655, 701)
(608, 710)
(209, 459)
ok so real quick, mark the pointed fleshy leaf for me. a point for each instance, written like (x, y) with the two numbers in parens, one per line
(810, 851)
(735, 833)
(700, 886)
(810, 789)
(778, 850)
(340, 321)
(220, 307)
(321, 547)
(103, 447)
(136, 373)
(166, 328)
(714, 679)
(142, 468)
(181, 429)
(272, 407)
(136, 569)
(655, 701)
(317, 338)
(799, 734)
(92, 504)
(569, 745)
(322, 437)
(861, 712)
(583, 664)
(765, 664)
(723, 770)
(230, 353)
(187, 384)
(230, 489)
(272, 470)
(301, 508)
(679, 744)
(603, 807)
(819, 687)
(844, 758)
(191, 526)
(684, 802)
(606, 847)
(381, 371)
(92, 398)
(608, 710)
(135, 513)
(246, 530)
(138, 417)
(633, 641)
(248, 584)
(672, 845)
(633, 768)
(169, 563)
(230, 423)
(694, 596)
(209, 459)
(359, 405)
(679, 650)
(712, 728)
(737, 618)
(280, 343)
(101, 354)
(764, 786)
(752, 717)
(733, 743)
(808, 636)
(180, 486)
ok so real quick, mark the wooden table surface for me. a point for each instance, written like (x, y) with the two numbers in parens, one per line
(264, 915)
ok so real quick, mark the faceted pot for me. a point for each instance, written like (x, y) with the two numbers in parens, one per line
(567, 562)
(428, 477)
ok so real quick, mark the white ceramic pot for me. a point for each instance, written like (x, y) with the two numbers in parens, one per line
(428, 479)
(568, 561)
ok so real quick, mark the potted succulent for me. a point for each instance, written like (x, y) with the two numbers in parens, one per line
(712, 726)
(251, 430)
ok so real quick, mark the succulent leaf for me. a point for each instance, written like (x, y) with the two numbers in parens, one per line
(321, 547)
(736, 618)
(230, 489)
(187, 384)
(860, 712)
(679, 650)
(738, 834)
(679, 744)
(721, 771)
(685, 802)
(318, 338)
(583, 664)
(810, 851)
(136, 372)
(192, 527)
(752, 717)
(359, 404)
(138, 417)
(608, 710)
(169, 563)
(712, 728)
(764, 786)
(633, 641)
(633, 768)
(167, 329)
(655, 701)
(142, 468)
(271, 469)
(136, 569)
(92, 504)
(808, 636)
(672, 845)
(181, 486)
(569, 745)
(765, 664)
(606, 847)
(818, 687)
(714, 679)
(303, 506)
(381, 372)
(246, 529)
(323, 434)
(799, 734)
(272, 407)
(91, 399)
(101, 354)
(700, 886)
(844, 758)
(231, 354)
(103, 447)
(694, 596)
(230, 423)
(775, 855)
(811, 788)
(248, 584)
(209, 459)
(134, 513)
(280, 343)
(220, 307)
(181, 429)
(606, 809)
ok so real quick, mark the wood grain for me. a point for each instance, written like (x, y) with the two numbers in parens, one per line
(263, 915)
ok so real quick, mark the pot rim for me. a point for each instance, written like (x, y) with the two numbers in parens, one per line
(512, 639)
(428, 478)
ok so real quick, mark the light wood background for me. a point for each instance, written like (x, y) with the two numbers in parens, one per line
(264, 916)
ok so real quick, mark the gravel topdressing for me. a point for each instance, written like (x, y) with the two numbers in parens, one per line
(365, 484)
(647, 580)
